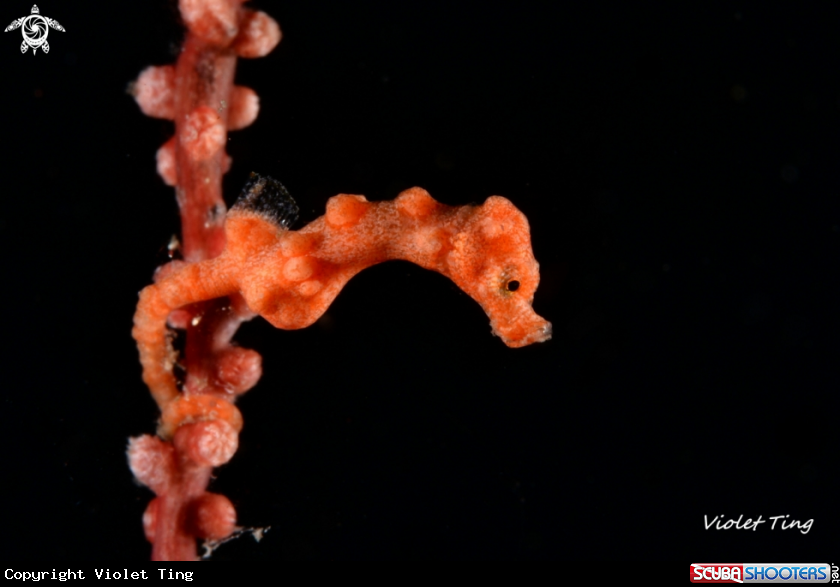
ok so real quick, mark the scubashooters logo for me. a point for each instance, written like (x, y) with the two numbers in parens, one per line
(35, 29)
(761, 573)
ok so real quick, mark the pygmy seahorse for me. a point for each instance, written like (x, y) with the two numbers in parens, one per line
(291, 277)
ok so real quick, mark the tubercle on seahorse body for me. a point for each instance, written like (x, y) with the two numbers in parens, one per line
(291, 277)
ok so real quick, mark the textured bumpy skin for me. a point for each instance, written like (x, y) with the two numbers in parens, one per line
(291, 277)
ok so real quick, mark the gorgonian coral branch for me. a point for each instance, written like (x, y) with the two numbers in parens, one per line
(198, 94)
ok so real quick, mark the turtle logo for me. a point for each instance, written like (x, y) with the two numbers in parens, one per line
(34, 30)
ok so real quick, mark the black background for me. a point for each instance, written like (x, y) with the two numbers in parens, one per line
(679, 167)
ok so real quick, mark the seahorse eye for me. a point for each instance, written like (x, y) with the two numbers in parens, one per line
(512, 285)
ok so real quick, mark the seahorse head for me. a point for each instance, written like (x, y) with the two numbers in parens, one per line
(492, 260)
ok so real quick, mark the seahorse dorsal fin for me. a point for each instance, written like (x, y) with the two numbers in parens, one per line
(269, 198)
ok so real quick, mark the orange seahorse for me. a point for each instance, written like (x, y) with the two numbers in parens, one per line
(290, 278)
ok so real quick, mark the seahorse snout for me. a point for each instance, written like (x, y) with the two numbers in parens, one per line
(526, 328)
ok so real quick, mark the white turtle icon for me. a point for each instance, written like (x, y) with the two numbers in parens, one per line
(34, 30)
